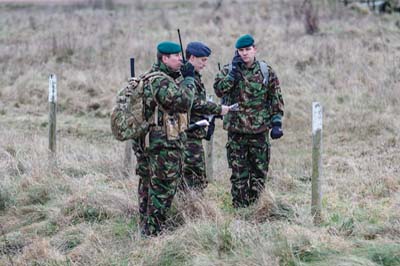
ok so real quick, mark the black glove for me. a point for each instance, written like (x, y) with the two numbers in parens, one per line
(276, 131)
(236, 60)
(187, 70)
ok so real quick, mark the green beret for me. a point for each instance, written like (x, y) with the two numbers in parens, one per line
(168, 48)
(244, 41)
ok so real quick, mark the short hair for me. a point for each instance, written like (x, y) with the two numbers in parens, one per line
(188, 55)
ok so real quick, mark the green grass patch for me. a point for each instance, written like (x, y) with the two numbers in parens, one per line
(123, 228)
(84, 211)
(343, 224)
(49, 228)
(381, 253)
(223, 197)
(5, 199)
(38, 194)
(174, 253)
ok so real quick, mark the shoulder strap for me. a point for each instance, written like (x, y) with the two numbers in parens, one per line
(154, 74)
(264, 71)
(150, 77)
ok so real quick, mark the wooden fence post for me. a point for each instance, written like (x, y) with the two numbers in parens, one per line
(52, 112)
(128, 163)
(316, 197)
(210, 153)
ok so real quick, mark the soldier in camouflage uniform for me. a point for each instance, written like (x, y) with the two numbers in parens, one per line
(260, 109)
(194, 172)
(167, 99)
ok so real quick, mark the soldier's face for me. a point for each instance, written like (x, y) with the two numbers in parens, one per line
(199, 63)
(248, 54)
(173, 61)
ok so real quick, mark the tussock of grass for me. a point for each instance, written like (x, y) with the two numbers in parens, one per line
(4, 198)
(40, 252)
(37, 195)
(96, 207)
(12, 243)
(230, 243)
(270, 209)
(68, 240)
(192, 206)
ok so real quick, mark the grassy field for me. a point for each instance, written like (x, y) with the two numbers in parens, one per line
(84, 210)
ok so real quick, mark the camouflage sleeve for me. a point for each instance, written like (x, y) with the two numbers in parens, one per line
(201, 107)
(275, 97)
(172, 97)
(223, 83)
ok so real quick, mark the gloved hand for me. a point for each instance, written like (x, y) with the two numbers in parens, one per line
(187, 70)
(236, 60)
(276, 131)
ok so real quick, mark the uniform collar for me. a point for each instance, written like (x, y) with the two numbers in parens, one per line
(252, 67)
(197, 74)
(160, 66)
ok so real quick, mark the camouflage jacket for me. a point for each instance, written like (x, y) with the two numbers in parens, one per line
(259, 104)
(174, 96)
(201, 108)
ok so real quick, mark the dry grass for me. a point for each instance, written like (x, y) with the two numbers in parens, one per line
(84, 212)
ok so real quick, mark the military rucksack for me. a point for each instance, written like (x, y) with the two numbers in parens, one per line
(127, 117)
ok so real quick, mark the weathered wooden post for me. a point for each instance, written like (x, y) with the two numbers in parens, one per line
(128, 146)
(52, 112)
(210, 153)
(128, 158)
(316, 197)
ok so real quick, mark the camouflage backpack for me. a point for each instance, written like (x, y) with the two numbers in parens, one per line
(127, 117)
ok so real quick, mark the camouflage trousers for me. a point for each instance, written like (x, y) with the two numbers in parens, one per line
(248, 157)
(160, 174)
(194, 167)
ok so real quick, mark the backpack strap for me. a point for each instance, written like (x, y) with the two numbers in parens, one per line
(148, 77)
(264, 72)
(151, 77)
